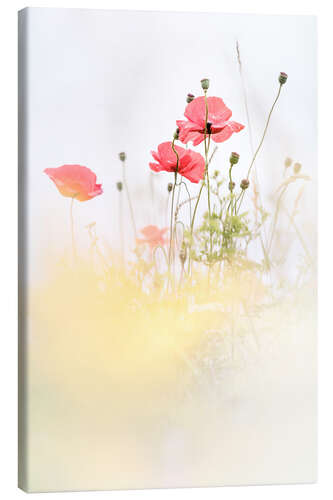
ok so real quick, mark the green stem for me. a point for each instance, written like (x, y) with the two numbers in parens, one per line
(172, 202)
(121, 227)
(72, 230)
(265, 130)
(129, 200)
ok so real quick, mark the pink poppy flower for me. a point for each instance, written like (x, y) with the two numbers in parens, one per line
(191, 164)
(153, 236)
(218, 124)
(75, 181)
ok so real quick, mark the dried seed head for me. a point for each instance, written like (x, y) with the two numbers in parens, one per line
(122, 156)
(189, 98)
(283, 78)
(245, 184)
(234, 157)
(205, 83)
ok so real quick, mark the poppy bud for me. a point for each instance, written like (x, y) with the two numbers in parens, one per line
(205, 83)
(122, 156)
(231, 186)
(189, 98)
(288, 162)
(170, 186)
(176, 134)
(297, 168)
(245, 184)
(283, 78)
(119, 186)
(234, 157)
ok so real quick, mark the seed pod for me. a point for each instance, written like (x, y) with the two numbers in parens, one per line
(234, 157)
(122, 156)
(244, 184)
(190, 98)
(170, 186)
(119, 186)
(205, 83)
(283, 78)
(288, 162)
(231, 186)
(297, 168)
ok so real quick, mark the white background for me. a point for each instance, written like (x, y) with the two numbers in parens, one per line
(8, 366)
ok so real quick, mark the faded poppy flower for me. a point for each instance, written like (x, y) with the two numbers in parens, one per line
(75, 181)
(153, 236)
(218, 124)
(191, 164)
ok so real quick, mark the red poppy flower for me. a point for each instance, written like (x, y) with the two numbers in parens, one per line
(191, 164)
(218, 124)
(153, 236)
(75, 181)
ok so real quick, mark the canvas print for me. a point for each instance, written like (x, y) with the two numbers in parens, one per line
(167, 249)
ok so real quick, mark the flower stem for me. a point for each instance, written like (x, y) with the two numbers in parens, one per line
(121, 227)
(129, 200)
(72, 230)
(265, 130)
(172, 203)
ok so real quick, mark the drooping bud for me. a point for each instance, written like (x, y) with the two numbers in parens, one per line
(288, 162)
(297, 168)
(205, 83)
(190, 98)
(283, 78)
(176, 134)
(234, 157)
(170, 186)
(122, 156)
(245, 184)
(119, 186)
(231, 186)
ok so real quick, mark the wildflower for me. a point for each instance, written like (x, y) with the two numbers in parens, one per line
(297, 168)
(119, 186)
(189, 98)
(283, 78)
(153, 236)
(245, 184)
(75, 181)
(205, 83)
(190, 164)
(218, 125)
(234, 157)
(122, 156)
